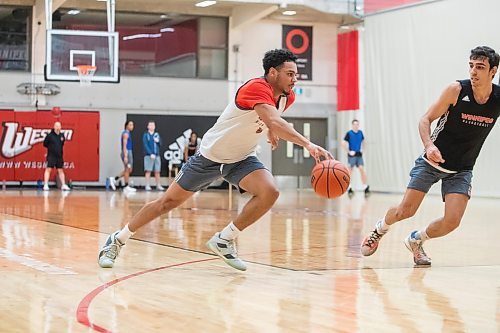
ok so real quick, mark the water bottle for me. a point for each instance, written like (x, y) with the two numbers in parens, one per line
(107, 183)
(39, 184)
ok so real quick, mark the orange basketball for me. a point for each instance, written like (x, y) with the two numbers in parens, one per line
(330, 179)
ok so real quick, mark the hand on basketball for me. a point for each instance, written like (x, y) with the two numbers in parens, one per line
(433, 154)
(317, 151)
(273, 140)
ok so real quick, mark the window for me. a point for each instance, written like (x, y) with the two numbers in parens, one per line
(14, 46)
(169, 45)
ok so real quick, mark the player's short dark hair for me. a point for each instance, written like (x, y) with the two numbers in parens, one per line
(275, 58)
(126, 123)
(485, 52)
(151, 121)
(354, 121)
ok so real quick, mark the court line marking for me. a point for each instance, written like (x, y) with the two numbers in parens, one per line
(34, 263)
(82, 311)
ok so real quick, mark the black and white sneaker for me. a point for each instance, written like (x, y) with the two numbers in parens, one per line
(227, 251)
(110, 251)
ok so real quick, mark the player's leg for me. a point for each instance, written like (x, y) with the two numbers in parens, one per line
(364, 178)
(423, 176)
(148, 180)
(197, 174)
(406, 209)
(351, 164)
(148, 166)
(46, 177)
(251, 176)
(128, 172)
(456, 191)
(157, 170)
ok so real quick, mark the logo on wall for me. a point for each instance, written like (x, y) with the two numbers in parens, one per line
(298, 40)
(15, 143)
(175, 152)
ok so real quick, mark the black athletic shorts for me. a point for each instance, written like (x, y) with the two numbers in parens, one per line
(55, 162)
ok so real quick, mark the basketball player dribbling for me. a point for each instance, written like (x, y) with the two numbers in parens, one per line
(227, 151)
(467, 111)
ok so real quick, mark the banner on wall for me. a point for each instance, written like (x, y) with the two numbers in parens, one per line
(23, 156)
(347, 71)
(174, 133)
(298, 39)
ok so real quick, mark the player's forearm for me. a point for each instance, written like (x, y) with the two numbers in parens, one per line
(345, 145)
(285, 131)
(424, 128)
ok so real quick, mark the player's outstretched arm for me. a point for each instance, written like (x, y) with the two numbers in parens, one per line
(437, 109)
(281, 128)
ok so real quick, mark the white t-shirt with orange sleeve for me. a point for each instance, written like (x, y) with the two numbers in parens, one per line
(236, 133)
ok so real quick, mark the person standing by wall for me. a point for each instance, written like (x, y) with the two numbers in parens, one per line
(191, 146)
(54, 142)
(152, 162)
(354, 145)
(126, 157)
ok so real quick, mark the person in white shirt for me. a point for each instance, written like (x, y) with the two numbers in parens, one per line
(227, 151)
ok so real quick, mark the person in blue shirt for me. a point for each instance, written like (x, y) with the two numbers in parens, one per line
(354, 143)
(152, 162)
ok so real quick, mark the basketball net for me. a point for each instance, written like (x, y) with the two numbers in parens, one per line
(85, 74)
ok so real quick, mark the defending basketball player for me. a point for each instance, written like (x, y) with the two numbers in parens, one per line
(467, 111)
(227, 151)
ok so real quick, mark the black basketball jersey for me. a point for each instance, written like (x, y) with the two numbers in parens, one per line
(462, 130)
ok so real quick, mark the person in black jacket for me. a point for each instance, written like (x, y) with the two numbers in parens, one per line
(54, 142)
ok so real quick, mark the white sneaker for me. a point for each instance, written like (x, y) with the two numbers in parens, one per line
(45, 187)
(147, 188)
(370, 242)
(415, 246)
(160, 188)
(110, 251)
(129, 189)
(65, 188)
(112, 183)
(227, 251)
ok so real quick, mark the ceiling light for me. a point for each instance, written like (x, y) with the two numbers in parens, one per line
(289, 12)
(163, 16)
(167, 30)
(206, 3)
(73, 12)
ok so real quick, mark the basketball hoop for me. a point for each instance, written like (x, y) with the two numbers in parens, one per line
(85, 74)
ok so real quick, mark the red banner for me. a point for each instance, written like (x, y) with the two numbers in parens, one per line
(23, 156)
(347, 71)
(371, 6)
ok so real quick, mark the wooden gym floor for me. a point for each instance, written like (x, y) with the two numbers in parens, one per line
(305, 271)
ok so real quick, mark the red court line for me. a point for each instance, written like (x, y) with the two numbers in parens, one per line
(82, 311)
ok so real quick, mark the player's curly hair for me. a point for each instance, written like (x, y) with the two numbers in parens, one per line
(275, 58)
(485, 52)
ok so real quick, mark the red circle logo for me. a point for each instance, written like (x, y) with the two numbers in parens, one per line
(305, 41)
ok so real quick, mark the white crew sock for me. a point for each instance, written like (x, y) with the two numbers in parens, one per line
(422, 235)
(230, 232)
(382, 227)
(124, 234)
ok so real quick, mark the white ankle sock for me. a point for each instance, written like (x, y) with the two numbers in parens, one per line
(230, 232)
(124, 234)
(384, 227)
(422, 235)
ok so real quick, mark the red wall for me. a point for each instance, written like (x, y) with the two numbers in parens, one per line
(23, 156)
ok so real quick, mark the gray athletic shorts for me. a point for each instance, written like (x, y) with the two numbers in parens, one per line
(130, 158)
(152, 165)
(355, 161)
(423, 176)
(199, 172)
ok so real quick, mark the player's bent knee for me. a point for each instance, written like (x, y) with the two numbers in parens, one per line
(451, 223)
(405, 212)
(166, 204)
